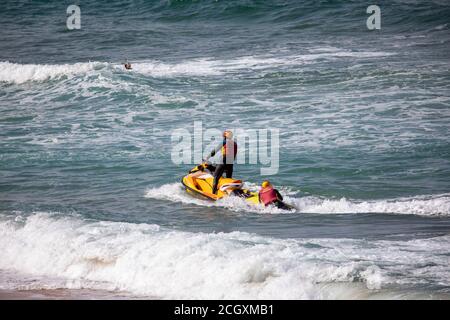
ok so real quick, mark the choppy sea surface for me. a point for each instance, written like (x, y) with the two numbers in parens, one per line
(89, 196)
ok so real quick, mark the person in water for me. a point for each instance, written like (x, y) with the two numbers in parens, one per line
(228, 148)
(127, 66)
(269, 195)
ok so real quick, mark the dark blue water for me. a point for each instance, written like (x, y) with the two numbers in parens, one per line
(363, 117)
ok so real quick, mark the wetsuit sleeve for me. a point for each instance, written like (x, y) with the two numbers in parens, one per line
(213, 153)
(279, 196)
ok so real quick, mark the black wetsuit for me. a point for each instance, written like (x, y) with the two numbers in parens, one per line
(227, 161)
(281, 205)
(279, 196)
(220, 169)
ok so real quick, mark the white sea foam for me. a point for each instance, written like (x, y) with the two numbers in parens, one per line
(419, 205)
(212, 67)
(148, 260)
(21, 73)
(199, 67)
(205, 66)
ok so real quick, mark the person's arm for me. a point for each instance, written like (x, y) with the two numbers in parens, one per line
(213, 153)
(279, 196)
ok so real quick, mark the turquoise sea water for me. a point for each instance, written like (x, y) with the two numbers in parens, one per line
(89, 196)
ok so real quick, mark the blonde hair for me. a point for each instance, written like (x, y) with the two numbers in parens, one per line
(228, 134)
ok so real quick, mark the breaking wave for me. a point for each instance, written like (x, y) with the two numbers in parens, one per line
(69, 252)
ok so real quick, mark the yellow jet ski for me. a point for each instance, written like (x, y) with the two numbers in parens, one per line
(199, 183)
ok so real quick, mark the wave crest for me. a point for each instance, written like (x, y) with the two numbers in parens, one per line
(20, 73)
(430, 205)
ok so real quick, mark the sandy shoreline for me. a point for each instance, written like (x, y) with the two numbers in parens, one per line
(66, 294)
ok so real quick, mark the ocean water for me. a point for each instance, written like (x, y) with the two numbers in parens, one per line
(89, 196)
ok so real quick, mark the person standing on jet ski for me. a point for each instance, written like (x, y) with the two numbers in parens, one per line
(269, 195)
(228, 148)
